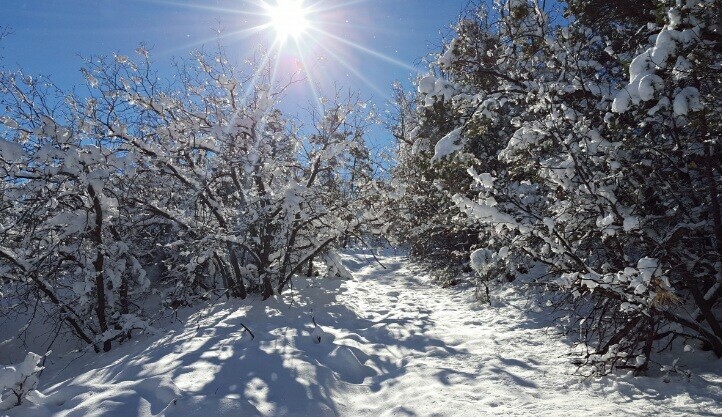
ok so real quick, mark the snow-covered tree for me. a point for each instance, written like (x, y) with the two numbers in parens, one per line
(423, 215)
(600, 163)
(180, 189)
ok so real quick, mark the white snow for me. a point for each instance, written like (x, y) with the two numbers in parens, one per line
(643, 80)
(426, 85)
(448, 57)
(436, 88)
(687, 100)
(675, 17)
(10, 151)
(13, 374)
(648, 85)
(631, 223)
(480, 258)
(452, 142)
(18, 379)
(392, 344)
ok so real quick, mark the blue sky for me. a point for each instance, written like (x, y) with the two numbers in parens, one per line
(363, 45)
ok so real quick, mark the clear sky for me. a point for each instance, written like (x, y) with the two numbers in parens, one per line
(360, 44)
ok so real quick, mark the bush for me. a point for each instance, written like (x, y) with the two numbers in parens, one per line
(16, 381)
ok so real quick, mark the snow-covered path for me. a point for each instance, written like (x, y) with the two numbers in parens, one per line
(451, 358)
(391, 344)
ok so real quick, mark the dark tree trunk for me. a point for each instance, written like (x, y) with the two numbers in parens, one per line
(98, 265)
(310, 268)
(239, 287)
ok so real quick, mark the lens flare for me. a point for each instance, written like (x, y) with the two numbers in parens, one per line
(289, 18)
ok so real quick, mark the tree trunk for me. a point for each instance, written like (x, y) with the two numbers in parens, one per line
(310, 268)
(98, 264)
(224, 274)
(239, 287)
(267, 286)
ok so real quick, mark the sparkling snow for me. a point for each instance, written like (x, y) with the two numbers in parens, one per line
(391, 344)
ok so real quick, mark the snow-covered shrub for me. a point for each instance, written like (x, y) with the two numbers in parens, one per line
(16, 381)
(597, 158)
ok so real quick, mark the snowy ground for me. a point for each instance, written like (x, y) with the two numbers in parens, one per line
(391, 345)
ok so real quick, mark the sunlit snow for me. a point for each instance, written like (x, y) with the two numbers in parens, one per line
(386, 342)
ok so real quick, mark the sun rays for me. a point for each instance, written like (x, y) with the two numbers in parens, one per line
(319, 36)
(317, 39)
(289, 19)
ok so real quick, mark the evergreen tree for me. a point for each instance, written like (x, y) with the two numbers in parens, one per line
(595, 153)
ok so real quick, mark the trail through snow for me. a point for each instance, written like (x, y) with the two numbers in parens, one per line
(386, 343)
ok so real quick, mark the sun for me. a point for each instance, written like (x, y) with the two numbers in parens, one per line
(289, 18)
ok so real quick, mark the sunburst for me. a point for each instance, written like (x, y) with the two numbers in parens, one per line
(311, 36)
(288, 18)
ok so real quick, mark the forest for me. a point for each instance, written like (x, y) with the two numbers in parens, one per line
(568, 151)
